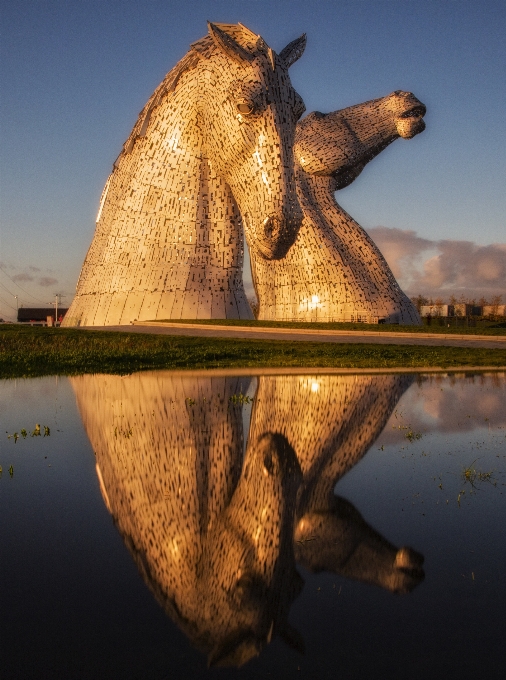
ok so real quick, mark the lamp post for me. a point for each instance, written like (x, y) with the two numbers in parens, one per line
(57, 297)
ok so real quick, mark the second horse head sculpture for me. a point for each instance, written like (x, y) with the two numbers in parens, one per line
(210, 155)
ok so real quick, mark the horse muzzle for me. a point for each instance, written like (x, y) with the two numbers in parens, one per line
(276, 234)
(410, 122)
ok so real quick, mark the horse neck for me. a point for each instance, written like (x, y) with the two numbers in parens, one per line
(369, 404)
(315, 194)
(170, 156)
(167, 178)
(151, 165)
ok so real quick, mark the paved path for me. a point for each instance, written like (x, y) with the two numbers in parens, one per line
(309, 335)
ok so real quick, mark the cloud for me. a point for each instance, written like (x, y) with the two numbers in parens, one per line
(442, 267)
(46, 281)
(22, 277)
(465, 404)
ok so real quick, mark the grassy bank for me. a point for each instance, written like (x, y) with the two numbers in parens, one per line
(30, 352)
(483, 327)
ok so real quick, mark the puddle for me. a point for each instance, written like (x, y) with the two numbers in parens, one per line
(268, 526)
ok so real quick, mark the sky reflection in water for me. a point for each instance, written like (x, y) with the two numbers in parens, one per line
(249, 546)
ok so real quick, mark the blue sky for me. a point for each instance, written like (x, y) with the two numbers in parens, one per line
(74, 76)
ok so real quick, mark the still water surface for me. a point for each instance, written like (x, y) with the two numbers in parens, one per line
(271, 526)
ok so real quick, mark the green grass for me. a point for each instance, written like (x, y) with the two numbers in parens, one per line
(484, 326)
(31, 352)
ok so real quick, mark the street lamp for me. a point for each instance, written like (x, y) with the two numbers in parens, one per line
(57, 297)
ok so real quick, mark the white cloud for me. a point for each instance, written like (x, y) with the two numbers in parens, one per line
(442, 267)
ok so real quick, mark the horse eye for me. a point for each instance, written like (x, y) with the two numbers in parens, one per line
(244, 108)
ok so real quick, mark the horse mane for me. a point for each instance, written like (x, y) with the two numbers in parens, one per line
(202, 49)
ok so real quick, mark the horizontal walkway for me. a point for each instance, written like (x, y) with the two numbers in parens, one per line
(310, 335)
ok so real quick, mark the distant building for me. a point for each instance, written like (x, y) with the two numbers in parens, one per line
(437, 310)
(463, 309)
(459, 309)
(494, 310)
(39, 314)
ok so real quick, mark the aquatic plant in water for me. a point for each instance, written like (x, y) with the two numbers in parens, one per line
(24, 434)
(241, 399)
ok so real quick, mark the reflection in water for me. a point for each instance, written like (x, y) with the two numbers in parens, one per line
(216, 534)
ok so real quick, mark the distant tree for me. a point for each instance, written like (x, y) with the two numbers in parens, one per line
(495, 302)
(439, 306)
(419, 301)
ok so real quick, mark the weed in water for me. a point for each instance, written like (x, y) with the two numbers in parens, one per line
(471, 475)
(23, 433)
(241, 399)
(412, 436)
(11, 472)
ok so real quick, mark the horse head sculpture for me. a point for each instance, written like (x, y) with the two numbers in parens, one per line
(354, 136)
(250, 117)
(211, 154)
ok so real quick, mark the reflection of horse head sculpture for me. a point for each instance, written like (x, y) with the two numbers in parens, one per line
(212, 530)
(215, 138)
(332, 421)
(211, 534)
(334, 271)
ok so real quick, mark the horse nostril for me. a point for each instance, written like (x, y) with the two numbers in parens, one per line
(268, 227)
(268, 464)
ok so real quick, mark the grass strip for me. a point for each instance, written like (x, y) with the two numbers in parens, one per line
(483, 327)
(32, 352)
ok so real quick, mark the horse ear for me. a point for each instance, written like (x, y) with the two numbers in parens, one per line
(293, 50)
(228, 44)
